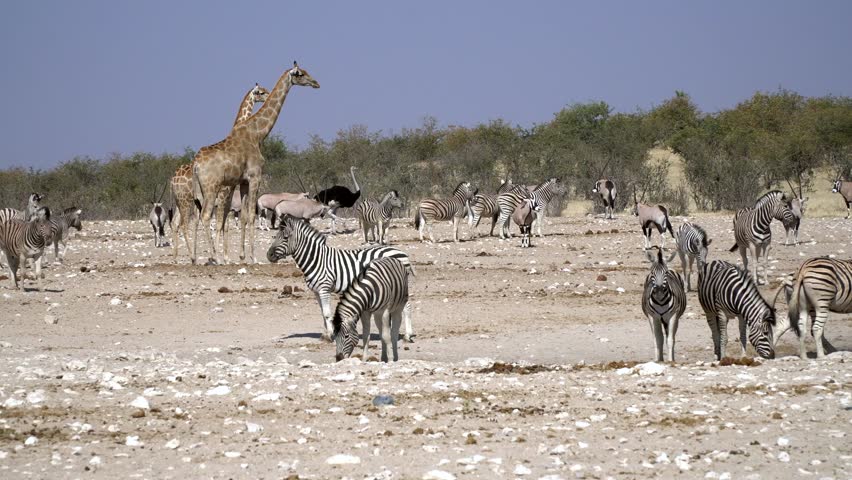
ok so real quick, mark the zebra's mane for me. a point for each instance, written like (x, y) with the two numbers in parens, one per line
(302, 227)
(701, 233)
(545, 184)
(458, 187)
(768, 197)
(749, 282)
(68, 211)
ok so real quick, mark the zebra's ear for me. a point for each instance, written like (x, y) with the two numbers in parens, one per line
(671, 257)
(709, 241)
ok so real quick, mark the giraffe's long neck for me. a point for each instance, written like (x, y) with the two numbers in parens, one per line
(246, 107)
(260, 124)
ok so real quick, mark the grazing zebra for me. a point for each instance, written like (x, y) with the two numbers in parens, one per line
(653, 216)
(376, 216)
(453, 208)
(484, 205)
(33, 204)
(821, 285)
(509, 201)
(524, 216)
(60, 228)
(158, 219)
(663, 302)
(692, 243)
(844, 188)
(21, 240)
(724, 291)
(792, 222)
(752, 228)
(606, 189)
(328, 270)
(382, 289)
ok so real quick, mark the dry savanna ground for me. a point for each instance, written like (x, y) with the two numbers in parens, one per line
(527, 363)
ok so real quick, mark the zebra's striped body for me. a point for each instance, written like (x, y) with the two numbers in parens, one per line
(21, 240)
(376, 216)
(381, 290)
(606, 189)
(509, 201)
(692, 243)
(60, 228)
(33, 204)
(432, 210)
(821, 285)
(328, 270)
(727, 291)
(752, 228)
(793, 221)
(484, 205)
(663, 302)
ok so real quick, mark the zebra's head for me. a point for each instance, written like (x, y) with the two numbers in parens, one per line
(465, 189)
(282, 245)
(703, 243)
(344, 335)
(761, 334)
(392, 198)
(659, 270)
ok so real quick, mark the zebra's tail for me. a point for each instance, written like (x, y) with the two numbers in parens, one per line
(793, 305)
(734, 248)
(417, 219)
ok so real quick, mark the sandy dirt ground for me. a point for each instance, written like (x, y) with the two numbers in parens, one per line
(160, 370)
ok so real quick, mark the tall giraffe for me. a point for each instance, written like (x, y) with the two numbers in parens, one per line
(182, 180)
(237, 158)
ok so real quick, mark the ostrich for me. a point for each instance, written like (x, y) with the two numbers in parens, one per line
(344, 197)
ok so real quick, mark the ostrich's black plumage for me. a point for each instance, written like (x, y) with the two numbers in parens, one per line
(344, 197)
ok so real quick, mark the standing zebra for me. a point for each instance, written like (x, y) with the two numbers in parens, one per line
(21, 240)
(376, 216)
(328, 270)
(821, 285)
(724, 291)
(606, 189)
(792, 222)
(453, 208)
(844, 188)
(752, 228)
(663, 302)
(60, 228)
(692, 243)
(33, 204)
(382, 289)
(509, 201)
(484, 205)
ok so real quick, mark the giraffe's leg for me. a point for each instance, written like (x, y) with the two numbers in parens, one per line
(176, 226)
(207, 205)
(223, 201)
(254, 184)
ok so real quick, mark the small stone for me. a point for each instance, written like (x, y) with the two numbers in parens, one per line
(36, 396)
(50, 320)
(30, 441)
(601, 278)
(380, 400)
(115, 301)
(140, 402)
(343, 459)
(133, 441)
(521, 470)
(233, 454)
(438, 475)
(172, 444)
(343, 377)
(220, 390)
(242, 271)
(650, 368)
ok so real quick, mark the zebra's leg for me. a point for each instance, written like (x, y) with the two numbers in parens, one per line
(38, 273)
(764, 252)
(744, 256)
(431, 237)
(817, 328)
(493, 222)
(741, 323)
(670, 336)
(395, 323)
(723, 335)
(537, 221)
(657, 330)
(366, 227)
(13, 262)
(324, 299)
(455, 229)
(848, 205)
(804, 313)
(689, 274)
(503, 223)
(713, 323)
(406, 315)
(385, 332)
(365, 334)
(56, 249)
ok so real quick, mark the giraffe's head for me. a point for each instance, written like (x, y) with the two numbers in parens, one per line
(300, 76)
(259, 94)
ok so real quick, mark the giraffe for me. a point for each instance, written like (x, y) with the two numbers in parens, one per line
(182, 180)
(237, 158)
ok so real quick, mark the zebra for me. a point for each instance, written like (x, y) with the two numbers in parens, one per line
(542, 194)
(524, 216)
(376, 216)
(724, 290)
(692, 243)
(453, 208)
(328, 270)
(752, 228)
(158, 219)
(33, 204)
(21, 240)
(653, 216)
(663, 301)
(60, 228)
(381, 289)
(606, 189)
(821, 285)
(844, 188)
(484, 205)
(792, 222)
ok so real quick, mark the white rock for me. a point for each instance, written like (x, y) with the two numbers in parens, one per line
(343, 459)
(624, 371)
(133, 441)
(12, 402)
(220, 390)
(242, 271)
(581, 424)
(75, 365)
(479, 362)
(438, 475)
(521, 470)
(232, 454)
(253, 427)
(650, 368)
(783, 442)
(343, 377)
(682, 462)
(115, 301)
(36, 396)
(267, 397)
(50, 320)
(140, 402)
(31, 441)
(784, 457)
(95, 461)
(172, 444)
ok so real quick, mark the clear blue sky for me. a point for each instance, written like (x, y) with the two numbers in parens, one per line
(94, 77)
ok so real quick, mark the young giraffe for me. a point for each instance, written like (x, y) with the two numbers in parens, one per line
(237, 158)
(182, 180)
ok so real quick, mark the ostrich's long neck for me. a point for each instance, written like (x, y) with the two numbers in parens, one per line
(260, 124)
(357, 188)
